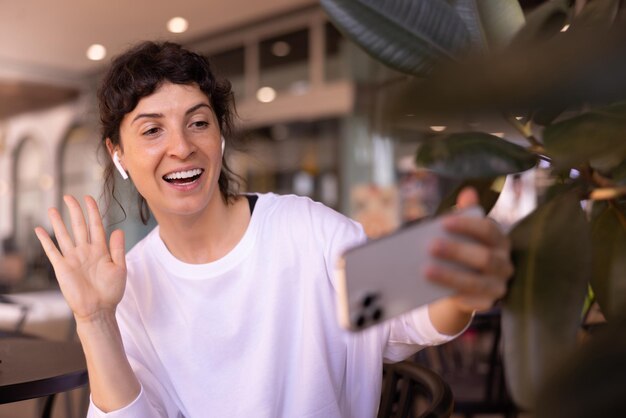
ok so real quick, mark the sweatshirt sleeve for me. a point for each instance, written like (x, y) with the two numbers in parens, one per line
(140, 407)
(410, 332)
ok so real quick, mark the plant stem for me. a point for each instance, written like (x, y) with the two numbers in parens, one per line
(526, 132)
(607, 193)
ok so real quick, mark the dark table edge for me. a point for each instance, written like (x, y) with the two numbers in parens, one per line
(43, 387)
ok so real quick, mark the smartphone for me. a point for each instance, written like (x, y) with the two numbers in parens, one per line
(384, 277)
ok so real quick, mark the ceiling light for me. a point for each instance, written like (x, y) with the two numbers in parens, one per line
(281, 49)
(177, 25)
(438, 128)
(96, 52)
(498, 134)
(565, 28)
(266, 94)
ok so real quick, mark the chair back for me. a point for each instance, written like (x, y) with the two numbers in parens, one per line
(411, 390)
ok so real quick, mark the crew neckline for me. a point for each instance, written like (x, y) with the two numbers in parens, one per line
(184, 270)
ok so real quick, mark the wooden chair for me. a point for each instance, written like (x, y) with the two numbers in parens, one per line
(411, 390)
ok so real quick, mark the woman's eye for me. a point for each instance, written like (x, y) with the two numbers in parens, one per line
(151, 131)
(200, 124)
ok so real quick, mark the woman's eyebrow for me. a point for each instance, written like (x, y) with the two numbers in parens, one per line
(146, 115)
(160, 115)
(196, 107)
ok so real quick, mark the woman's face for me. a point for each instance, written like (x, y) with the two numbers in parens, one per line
(171, 148)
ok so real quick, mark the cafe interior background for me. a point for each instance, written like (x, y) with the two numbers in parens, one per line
(304, 108)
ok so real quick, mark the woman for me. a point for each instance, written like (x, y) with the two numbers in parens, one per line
(227, 307)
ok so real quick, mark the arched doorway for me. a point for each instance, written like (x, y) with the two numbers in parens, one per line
(29, 185)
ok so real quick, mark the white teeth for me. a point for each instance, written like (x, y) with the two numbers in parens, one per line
(184, 174)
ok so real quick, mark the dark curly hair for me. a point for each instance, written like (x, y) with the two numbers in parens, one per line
(137, 73)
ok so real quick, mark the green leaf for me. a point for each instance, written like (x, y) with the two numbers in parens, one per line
(473, 155)
(619, 173)
(592, 384)
(593, 135)
(488, 193)
(544, 22)
(491, 24)
(410, 36)
(608, 236)
(597, 14)
(567, 71)
(541, 313)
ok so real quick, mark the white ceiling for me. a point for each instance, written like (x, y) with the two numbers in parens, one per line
(46, 40)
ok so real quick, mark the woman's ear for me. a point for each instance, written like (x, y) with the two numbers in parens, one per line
(110, 147)
(116, 160)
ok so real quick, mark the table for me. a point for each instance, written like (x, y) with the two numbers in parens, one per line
(33, 368)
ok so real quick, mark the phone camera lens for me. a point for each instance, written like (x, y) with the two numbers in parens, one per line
(377, 314)
(369, 299)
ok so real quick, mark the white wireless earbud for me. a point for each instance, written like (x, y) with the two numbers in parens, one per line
(118, 165)
(223, 144)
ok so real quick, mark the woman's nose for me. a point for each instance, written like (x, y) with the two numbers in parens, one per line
(180, 145)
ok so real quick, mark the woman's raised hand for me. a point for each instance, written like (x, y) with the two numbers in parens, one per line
(91, 274)
(487, 257)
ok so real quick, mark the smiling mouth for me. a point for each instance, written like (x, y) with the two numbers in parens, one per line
(183, 177)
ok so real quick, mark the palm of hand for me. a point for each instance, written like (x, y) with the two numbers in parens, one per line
(90, 280)
(91, 274)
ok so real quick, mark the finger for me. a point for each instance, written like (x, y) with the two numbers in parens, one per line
(60, 231)
(495, 261)
(467, 283)
(51, 250)
(466, 198)
(484, 230)
(117, 248)
(79, 226)
(96, 229)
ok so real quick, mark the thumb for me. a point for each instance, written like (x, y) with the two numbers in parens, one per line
(116, 247)
(468, 197)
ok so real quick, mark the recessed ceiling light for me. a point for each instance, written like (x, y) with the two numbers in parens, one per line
(96, 52)
(565, 28)
(438, 128)
(281, 49)
(266, 94)
(177, 24)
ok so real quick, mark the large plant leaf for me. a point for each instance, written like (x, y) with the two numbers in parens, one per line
(410, 36)
(592, 385)
(473, 155)
(541, 313)
(619, 173)
(609, 261)
(596, 134)
(488, 190)
(597, 14)
(570, 69)
(544, 22)
(491, 24)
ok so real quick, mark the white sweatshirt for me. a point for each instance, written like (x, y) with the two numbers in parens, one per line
(255, 334)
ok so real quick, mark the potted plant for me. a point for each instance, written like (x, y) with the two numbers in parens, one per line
(557, 76)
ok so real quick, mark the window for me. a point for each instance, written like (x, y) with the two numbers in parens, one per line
(284, 62)
(229, 64)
